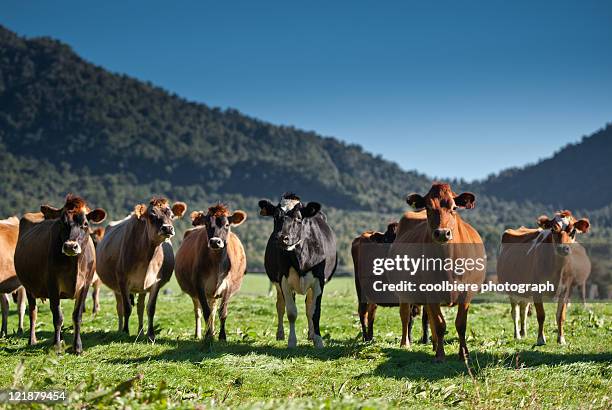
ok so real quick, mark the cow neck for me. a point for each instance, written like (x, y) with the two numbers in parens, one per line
(307, 254)
(143, 242)
(219, 259)
(73, 263)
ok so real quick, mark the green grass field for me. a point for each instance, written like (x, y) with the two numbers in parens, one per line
(252, 369)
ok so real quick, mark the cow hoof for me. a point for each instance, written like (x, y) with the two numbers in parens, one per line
(222, 337)
(317, 341)
(561, 340)
(292, 342)
(541, 341)
(517, 336)
(404, 345)
(32, 342)
(3, 334)
(151, 337)
(311, 336)
(464, 354)
(424, 340)
(20, 331)
(280, 335)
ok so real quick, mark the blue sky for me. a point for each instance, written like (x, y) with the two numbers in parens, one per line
(450, 88)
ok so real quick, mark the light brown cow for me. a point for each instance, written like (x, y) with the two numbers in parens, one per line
(135, 256)
(55, 259)
(441, 232)
(548, 254)
(9, 283)
(367, 311)
(96, 235)
(211, 264)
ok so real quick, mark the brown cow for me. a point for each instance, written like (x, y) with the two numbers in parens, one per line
(211, 264)
(55, 259)
(9, 283)
(96, 235)
(367, 311)
(540, 255)
(135, 256)
(444, 234)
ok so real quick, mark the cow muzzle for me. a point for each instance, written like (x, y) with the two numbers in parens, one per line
(563, 250)
(216, 243)
(166, 231)
(71, 248)
(442, 235)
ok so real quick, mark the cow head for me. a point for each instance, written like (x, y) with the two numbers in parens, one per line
(563, 228)
(290, 217)
(74, 219)
(441, 204)
(159, 217)
(388, 236)
(218, 222)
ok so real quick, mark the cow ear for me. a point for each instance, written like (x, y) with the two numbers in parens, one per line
(310, 210)
(416, 201)
(97, 215)
(582, 225)
(237, 218)
(140, 210)
(50, 212)
(178, 209)
(544, 222)
(465, 200)
(266, 208)
(197, 218)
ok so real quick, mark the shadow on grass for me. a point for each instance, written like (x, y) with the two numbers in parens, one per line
(402, 364)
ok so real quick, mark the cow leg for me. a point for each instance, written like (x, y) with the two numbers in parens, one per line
(362, 310)
(424, 326)
(77, 319)
(406, 318)
(119, 301)
(197, 309)
(95, 296)
(223, 316)
(151, 306)
(308, 300)
(205, 309)
(210, 323)
(127, 310)
(561, 312)
(434, 335)
(461, 326)
(523, 312)
(280, 312)
(515, 310)
(370, 320)
(316, 314)
(438, 328)
(33, 310)
(21, 307)
(292, 311)
(140, 307)
(5, 310)
(539, 307)
(58, 318)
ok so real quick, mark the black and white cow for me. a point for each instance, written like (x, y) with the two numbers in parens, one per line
(300, 258)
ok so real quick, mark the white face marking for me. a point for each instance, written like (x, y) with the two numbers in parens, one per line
(561, 221)
(288, 204)
(219, 242)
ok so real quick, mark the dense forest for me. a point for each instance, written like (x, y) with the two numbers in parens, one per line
(67, 125)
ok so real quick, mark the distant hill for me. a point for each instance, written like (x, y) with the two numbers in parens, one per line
(577, 176)
(68, 125)
(58, 108)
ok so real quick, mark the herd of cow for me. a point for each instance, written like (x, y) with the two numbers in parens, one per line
(54, 254)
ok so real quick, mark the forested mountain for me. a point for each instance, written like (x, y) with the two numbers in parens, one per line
(56, 107)
(577, 176)
(67, 125)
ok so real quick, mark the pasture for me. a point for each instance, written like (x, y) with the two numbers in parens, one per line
(252, 369)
